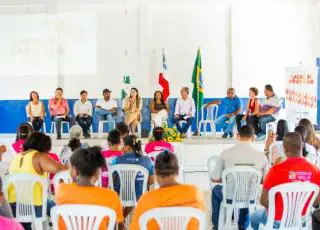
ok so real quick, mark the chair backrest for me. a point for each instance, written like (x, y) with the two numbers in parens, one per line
(211, 163)
(276, 147)
(212, 112)
(295, 198)
(4, 166)
(63, 176)
(79, 217)
(127, 174)
(23, 185)
(176, 218)
(240, 184)
(315, 159)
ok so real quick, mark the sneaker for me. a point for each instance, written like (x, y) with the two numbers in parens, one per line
(225, 135)
(231, 134)
(261, 137)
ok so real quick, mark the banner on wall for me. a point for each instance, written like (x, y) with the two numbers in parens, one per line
(301, 94)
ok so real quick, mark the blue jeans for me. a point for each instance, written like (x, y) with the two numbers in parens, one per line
(58, 121)
(105, 115)
(184, 129)
(260, 217)
(263, 121)
(216, 200)
(226, 127)
(38, 212)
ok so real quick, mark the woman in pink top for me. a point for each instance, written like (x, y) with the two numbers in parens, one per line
(114, 143)
(158, 144)
(11, 224)
(24, 131)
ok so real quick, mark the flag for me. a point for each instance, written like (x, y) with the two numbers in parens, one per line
(163, 78)
(197, 80)
(126, 85)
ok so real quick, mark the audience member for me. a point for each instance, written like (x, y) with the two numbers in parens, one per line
(307, 148)
(242, 153)
(106, 108)
(82, 110)
(34, 160)
(158, 144)
(35, 111)
(170, 193)
(59, 111)
(185, 110)
(159, 109)
(24, 131)
(312, 138)
(268, 112)
(232, 107)
(132, 107)
(85, 170)
(294, 168)
(252, 108)
(124, 131)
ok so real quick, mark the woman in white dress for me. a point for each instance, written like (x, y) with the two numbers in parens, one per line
(159, 109)
(35, 111)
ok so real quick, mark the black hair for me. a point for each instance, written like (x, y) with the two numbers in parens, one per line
(134, 143)
(83, 91)
(158, 133)
(60, 89)
(24, 131)
(74, 144)
(269, 88)
(246, 131)
(114, 137)
(303, 134)
(38, 141)
(154, 97)
(282, 129)
(166, 164)
(123, 128)
(32, 93)
(87, 161)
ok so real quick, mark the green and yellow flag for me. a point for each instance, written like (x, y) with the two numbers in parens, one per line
(197, 80)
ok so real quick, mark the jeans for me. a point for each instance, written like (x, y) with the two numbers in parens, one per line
(38, 212)
(85, 123)
(253, 122)
(227, 127)
(216, 200)
(58, 121)
(37, 123)
(239, 121)
(103, 115)
(263, 121)
(184, 129)
(260, 217)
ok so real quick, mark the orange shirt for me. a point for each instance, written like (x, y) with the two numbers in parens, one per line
(177, 195)
(75, 194)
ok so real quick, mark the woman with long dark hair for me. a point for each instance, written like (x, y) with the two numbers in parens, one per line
(132, 108)
(159, 109)
(35, 111)
(312, 138)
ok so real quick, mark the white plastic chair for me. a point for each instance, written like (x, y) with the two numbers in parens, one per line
(23, 185)
(101, 125)
(189, 132)
(208, 119)
(4, 166)
(79, 217)
(295, 196)
(211, 163)
(176, 218)
(63, 176)
(276, 147)
(315, 159)
(53, 127)
(240, 184)
(127, 174)
(138, 129)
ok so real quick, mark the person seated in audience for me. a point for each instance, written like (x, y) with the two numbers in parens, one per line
(123, 128)
(59, 111)
(268, 112)
(7, 223)
(307, 148)
(170, 193)
(24, 131)
(35, 111)
(312, 138)
(34, 160)
(185, 110)
(114, 143)
(241, 154)
(85, 170)
(277, 150)
(158, 144)
(294, 168)
(132, 108)
(106, 108)
(232, 107)
(159, 109)
(82, 110)
(252, 108)
(132, 154)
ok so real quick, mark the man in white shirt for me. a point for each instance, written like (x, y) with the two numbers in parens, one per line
(82, 110)
(106, 108)
(241, 154)
(185, 110)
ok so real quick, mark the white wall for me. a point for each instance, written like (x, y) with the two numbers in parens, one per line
(242, 44)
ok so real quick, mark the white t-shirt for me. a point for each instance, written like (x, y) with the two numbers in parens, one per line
(107, 105)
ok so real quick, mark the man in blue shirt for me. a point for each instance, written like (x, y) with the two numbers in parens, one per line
(232, 106)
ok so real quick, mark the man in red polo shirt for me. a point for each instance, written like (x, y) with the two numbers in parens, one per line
(295, 168)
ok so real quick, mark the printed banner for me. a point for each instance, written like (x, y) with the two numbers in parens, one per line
(301, 94)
